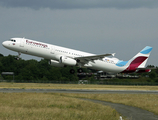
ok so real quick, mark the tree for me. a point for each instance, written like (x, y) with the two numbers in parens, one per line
(152, 75)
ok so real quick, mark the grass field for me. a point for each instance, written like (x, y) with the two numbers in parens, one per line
(47, 106)
(145, 101)
(74, 86)
(58, 106)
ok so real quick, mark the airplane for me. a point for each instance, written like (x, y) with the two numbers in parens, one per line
(60, 57)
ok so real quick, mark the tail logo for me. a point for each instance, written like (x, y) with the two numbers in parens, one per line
(138, 60)
(135, 63)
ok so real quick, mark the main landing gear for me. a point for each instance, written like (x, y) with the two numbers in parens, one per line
(72, 71)
(80, 70)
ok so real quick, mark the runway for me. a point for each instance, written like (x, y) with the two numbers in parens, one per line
(83, 91)
(132, 113)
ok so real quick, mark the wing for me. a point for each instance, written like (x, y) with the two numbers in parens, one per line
(93, 57)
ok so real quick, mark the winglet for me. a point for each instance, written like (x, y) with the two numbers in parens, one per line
(113, 54)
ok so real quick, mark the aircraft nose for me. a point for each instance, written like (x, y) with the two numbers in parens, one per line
(4, 43)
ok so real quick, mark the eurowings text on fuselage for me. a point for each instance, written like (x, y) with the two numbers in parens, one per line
(61, 56)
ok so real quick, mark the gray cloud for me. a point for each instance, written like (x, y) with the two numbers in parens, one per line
(126, 29)
(80, 4)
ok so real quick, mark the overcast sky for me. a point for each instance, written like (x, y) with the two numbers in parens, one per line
(96, 26)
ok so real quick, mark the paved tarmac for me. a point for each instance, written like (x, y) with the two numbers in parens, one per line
(131, 113)
(79, 91)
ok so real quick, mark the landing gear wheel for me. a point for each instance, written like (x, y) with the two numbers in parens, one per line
(17, 58)
(72, 71)
(80, 70)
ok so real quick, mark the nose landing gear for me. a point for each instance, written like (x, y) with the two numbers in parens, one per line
(19, 53)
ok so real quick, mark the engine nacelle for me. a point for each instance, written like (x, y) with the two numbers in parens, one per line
(56, 63)
(67, 61)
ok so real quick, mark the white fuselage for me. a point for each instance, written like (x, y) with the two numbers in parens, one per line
(53, 52)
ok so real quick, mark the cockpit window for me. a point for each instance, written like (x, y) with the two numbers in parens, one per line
(13, 40)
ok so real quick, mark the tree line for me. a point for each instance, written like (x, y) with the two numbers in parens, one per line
(41, 71)
(33, 70)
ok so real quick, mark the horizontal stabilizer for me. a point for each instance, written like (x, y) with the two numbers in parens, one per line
(145, 68)
(142, 70)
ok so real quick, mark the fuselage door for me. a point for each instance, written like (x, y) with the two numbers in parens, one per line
(22, 42)
(52, 49)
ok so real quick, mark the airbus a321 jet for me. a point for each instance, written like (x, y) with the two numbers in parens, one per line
(61, 56)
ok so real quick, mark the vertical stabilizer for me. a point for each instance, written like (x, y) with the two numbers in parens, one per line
(139, 60)
(145, 53)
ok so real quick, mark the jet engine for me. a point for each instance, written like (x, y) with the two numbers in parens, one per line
(56, 63)
(67, 61)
